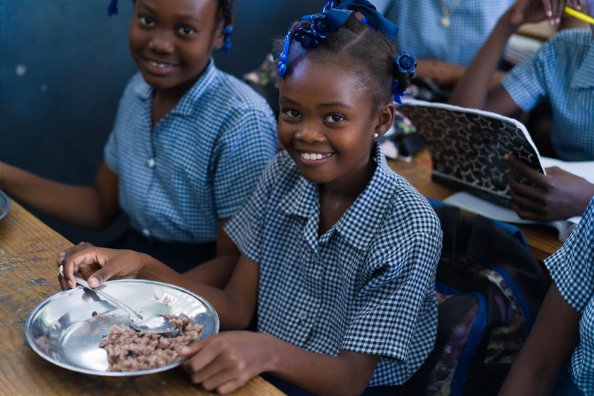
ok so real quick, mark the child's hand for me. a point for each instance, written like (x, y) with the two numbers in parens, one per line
(98, 264)
(228, 360)
(527, 11)
(557, 196)
(554, 8)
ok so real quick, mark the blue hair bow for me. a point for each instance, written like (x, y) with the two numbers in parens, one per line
(329, 20)
(334, 15)
(372, 16)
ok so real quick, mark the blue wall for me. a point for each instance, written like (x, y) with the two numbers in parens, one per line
(63, 66)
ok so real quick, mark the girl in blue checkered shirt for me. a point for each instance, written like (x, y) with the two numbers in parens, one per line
(338, 253)
(560, 71)
(187, 147)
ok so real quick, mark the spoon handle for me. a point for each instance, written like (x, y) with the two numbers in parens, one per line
(118, 303)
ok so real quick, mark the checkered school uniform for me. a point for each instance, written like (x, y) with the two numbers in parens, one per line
(366, 285)
(421, 33)
(562, 70)
(200, 162)
(572, 270)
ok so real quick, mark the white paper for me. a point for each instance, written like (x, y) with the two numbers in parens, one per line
(487, 209)
(584, 169)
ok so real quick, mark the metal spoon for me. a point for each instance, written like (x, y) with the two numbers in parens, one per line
(141, 322)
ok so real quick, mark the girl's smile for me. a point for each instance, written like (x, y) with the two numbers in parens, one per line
(158, 68)
(171, 41)
(315, 157)
(327, 120)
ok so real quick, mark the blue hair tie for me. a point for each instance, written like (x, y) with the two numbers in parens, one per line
(227, 43)
(334, 15)
(319, 26)
(373, 17)
(112, 8)
(405, 63)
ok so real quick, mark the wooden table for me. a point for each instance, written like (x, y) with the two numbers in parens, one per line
(28, 275)
(542, 239)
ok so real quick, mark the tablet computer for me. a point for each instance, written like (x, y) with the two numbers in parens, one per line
(468, 147)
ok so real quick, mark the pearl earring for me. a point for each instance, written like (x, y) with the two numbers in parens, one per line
(375, 135)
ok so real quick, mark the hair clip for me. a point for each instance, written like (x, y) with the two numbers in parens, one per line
(397, 93)
(371, 17)
(112, 8)
(227, 43)
(319, 26)
(283, 58)
(406, 63)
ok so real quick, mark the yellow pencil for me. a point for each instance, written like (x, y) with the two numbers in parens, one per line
(579, 15)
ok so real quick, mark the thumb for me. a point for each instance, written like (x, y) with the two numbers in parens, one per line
(192, 349)
(99, 277)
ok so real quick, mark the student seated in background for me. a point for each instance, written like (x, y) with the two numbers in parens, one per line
(338, 252)
(444, 35)
(187, 147)
(560, 71)
(564, 328)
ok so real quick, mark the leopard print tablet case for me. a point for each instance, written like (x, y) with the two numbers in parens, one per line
(468, 147)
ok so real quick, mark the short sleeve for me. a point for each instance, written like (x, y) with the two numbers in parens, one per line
(572, 266)
(109, 153)
(246, 227)
(526, 83)
(246, 148)
(111, 148)
(395, 313)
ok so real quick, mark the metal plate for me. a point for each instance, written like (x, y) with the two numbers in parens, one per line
(4, 204)
(63, 330)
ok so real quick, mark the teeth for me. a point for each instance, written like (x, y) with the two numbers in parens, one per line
(313, 156)
(160, 65)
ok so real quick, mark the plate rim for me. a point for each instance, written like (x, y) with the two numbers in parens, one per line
(33, 345)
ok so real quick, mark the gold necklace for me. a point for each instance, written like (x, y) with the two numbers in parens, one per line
(446, 11)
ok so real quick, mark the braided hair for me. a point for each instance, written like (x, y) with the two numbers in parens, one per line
(225, 12)
(370, 53)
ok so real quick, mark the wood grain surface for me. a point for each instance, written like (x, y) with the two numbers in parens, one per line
(28, 275)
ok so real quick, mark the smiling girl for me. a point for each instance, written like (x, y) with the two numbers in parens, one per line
(187, 147)
(338, 253)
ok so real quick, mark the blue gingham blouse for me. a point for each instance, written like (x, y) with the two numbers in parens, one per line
(421, 34)
(366, 285)
(572, 270)
(562, 70)
(200, 162)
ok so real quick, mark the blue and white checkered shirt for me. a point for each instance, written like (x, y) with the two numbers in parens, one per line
(562, 70)
(366, 285)
(200, 162)
(572, 270)
(421, 33)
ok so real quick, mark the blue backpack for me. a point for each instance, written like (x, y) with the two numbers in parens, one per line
(489, 289)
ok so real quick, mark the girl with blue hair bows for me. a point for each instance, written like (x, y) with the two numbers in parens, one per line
(338, 252)
(187, 146)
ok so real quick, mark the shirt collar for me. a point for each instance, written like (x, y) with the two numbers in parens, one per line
(584, 76)
(358, 225)
(187, 103)
(303, 200)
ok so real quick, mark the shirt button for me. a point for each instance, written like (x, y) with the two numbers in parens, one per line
(302, 315)
(146, 233)
(151, 163)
